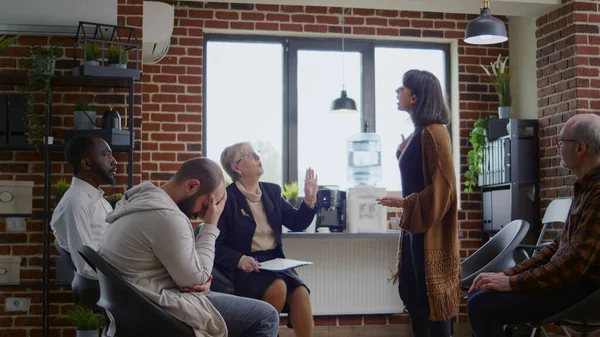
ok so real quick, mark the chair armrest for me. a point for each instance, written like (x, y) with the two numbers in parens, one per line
(540, 246)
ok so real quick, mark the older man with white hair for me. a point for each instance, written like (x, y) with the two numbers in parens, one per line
(567, 270)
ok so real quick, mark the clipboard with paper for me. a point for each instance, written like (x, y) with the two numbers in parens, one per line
(282, 264)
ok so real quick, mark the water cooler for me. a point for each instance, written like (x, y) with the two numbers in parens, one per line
(363, 214)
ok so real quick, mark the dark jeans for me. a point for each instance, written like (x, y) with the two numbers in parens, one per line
(489, 311)
(413, 290)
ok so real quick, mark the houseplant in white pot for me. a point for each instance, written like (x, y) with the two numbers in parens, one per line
(117, 57)
(92, 53)
(87, 322)
(500, 79)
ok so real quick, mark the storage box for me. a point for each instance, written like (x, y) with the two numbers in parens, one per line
(16, 197)
(9, 269)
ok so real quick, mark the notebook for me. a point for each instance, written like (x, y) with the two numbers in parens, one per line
(282, 264)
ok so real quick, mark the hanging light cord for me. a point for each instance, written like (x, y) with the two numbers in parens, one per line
(343, 52)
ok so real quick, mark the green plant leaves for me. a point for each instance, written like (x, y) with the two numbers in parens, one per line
(85, 319)
(290, 191)
(478, 140)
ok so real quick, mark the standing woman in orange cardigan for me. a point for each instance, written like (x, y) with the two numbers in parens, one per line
(428, 269)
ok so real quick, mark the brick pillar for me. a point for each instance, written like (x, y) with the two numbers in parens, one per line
(568, 60)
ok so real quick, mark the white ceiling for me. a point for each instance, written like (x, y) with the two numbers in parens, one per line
(498, 7)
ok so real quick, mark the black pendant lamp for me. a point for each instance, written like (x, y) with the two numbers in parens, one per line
(344, 103)
(485, 29)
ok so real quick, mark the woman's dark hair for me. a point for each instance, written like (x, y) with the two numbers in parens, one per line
(431, 107)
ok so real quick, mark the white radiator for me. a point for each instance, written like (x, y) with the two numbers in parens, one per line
(350, 271)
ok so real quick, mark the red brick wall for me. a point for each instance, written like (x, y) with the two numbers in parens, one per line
(568, 65)
(29, 166)
(568, 62)
(171, 109)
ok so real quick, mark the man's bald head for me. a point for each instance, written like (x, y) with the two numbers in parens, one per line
(586, 129)
(201, 169)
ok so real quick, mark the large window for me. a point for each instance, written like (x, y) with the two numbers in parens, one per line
(277, 92)
(390, 65)
(244, 101)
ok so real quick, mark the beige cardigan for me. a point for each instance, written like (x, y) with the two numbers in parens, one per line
(434, 211)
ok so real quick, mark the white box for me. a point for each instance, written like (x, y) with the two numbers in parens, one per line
(10, 268)
(363, 213)
(16, 197)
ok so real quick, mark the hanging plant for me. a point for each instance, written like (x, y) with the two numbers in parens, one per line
(40, 69)
(475, 156)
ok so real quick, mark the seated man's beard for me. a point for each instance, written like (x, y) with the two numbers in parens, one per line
(186, 206)
(105, 176)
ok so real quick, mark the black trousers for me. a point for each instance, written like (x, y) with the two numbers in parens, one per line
(489, 311)
(413, 290)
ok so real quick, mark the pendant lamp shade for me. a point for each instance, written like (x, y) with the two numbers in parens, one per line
(485, 29)
(343, 104)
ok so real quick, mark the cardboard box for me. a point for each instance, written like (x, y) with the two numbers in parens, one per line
(16, 197)
(10, 268)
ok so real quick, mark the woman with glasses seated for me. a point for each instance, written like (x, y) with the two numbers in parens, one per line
(251, 227)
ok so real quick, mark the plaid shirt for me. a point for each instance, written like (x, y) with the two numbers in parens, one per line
(575, 254)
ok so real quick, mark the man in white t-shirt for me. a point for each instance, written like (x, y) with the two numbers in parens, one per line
(80, 217)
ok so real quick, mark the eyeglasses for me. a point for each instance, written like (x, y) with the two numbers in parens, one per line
(253, 155)
(560, 141)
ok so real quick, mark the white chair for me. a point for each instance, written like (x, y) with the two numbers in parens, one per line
(557, 211)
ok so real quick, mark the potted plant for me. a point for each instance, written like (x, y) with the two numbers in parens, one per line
(40, 68)
(290, 193)
(43, 59)
(500, 79)
(113, 199)
(117, 57)
(86, 321)
(92, 53)
(60, 188)
(475, 156)
(84, 117)
(6, 42)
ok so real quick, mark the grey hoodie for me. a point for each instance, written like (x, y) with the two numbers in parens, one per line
(151, 243)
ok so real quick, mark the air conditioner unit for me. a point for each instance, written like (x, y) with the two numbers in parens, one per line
(54, 17)
(157, 27)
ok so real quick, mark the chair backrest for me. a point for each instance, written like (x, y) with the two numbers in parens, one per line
(134, 315)
(496, 255)
(86, 292)
(66, 255)
(557, 211)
